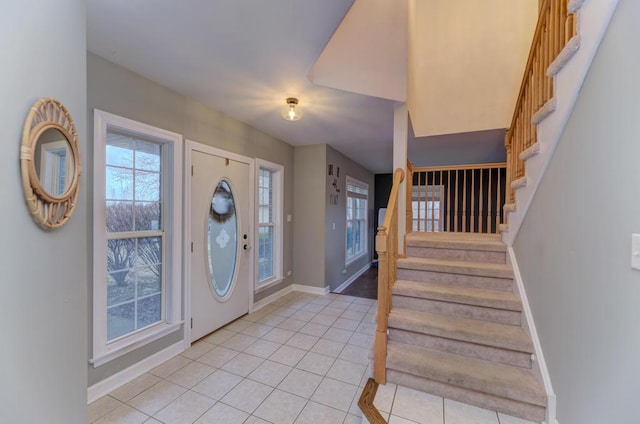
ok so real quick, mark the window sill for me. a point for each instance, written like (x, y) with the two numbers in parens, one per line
(128, 345)
(355, 258)
(268, 283)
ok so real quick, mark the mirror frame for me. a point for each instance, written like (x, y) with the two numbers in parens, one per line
(48, 210)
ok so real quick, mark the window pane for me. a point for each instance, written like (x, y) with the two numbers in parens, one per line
(148, 216)
(120, 255)
(265, 196)
(149, 281)
(119, 183)
(263, 212)
(147, 156)
(350, 252)
(149, 310)
(149, 253)
(119, 150)
(358, 237)
(265, 253)
(147, 185)
(120, 287)
(120, 320)
(134, 284)
(119, 216)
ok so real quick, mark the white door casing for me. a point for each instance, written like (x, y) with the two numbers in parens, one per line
(219, 245)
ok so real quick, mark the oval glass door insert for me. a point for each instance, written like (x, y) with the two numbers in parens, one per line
(222, 239)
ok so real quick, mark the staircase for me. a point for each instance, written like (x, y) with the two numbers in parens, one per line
(455, 328)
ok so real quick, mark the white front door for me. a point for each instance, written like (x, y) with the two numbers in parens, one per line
(220, 266)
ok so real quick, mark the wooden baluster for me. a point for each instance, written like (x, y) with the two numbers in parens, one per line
(456, 200)
(449, 203)
(433, 188)
(420, 211)
(473, 201)
(464, 202)
(440, 205)
(481, 200)
(498, 208)
(553, 25)
(490, 202)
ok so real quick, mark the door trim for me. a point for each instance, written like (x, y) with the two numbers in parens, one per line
(190, 147)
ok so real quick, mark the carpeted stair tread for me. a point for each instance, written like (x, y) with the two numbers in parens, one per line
(482, 242)
(481, 269)
(463, 329)
(474, 374)
(468, 296)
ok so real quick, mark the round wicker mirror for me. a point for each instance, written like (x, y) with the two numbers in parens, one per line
(50, 163)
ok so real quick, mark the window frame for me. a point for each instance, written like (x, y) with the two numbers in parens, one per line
(171, 209)
(277, 171)
(422, 195)
(365, 240)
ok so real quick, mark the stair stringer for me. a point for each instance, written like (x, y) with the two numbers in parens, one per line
(593, 19)
(538, 363)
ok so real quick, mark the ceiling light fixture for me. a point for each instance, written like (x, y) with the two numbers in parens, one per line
(292, 112)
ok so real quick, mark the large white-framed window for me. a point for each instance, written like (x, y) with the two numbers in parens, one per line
(269, 231)
(136, 235)
(357, 221)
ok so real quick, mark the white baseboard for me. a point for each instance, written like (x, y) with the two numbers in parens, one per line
(539, 362)
(272, 297)
(351, 279)
(312, 290)
(123, 377)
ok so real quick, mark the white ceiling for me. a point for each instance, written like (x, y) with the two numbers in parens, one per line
(243, 58)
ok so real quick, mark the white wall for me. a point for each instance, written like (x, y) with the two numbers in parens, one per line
(43, 305)
(367, 54)
(574, 246)
(466, 59)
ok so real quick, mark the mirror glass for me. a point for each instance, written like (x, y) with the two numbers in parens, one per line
(222, 239)
(54, 163)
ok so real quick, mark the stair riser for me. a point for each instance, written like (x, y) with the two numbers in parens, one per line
(500, 316)
(458, 347)
(460, 280)
(457, 254)
(522, 410)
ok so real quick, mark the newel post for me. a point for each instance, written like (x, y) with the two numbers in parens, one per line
(380, 343)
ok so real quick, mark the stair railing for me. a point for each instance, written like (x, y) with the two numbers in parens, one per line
(456, 198)
(387, 248)
(556, 26)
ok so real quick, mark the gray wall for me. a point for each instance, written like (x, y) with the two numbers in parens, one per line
(309, 217)
(319, 248)
(116, 90)
(44, 273)
(574, 247)
(337, 214)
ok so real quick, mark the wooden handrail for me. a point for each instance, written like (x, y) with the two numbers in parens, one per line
(387, 248)
(452, 167)
(537, 36)
(555, 27)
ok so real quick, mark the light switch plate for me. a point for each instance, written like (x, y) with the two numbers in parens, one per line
(635, 251)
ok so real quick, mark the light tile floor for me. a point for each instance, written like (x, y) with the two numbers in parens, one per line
(301, 359)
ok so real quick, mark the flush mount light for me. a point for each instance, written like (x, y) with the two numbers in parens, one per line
(292, 112)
